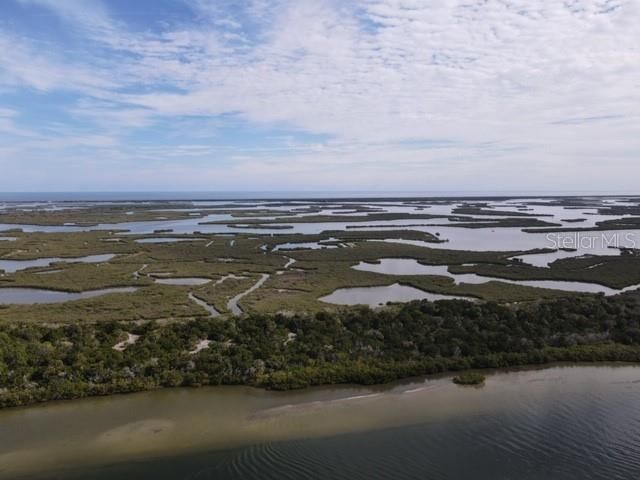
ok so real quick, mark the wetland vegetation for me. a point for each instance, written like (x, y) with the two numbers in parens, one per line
(209, 300)
(469, 378)
(50, 362)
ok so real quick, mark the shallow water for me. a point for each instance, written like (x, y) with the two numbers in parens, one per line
(405, 266)
(233, 305)
(559, 423)
(167, 240)
(513, 239)
(546, 259)
(29, 296)
(209, 308)
(11, 266)
(306, 245)
(495, 239)
(376, 296)
(183, 281)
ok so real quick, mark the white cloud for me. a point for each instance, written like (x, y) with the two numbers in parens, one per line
(45, 69)
(8, 125)
(90, 14)
(455, 72)
(519, 88)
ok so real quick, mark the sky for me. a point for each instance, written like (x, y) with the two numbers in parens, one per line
(332, 95)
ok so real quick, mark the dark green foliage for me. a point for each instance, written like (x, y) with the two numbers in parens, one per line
(40, 362)
(469, 378)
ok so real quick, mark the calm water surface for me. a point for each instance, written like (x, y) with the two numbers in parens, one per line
(406, 266)
(560, 423)
(459, 238)
(183, 281)
(376, 296)
(11, 266)
(233, 304)
(167, 240)
(29, 296)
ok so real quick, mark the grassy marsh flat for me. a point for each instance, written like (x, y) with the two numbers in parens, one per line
(162, 266)
(228, 263)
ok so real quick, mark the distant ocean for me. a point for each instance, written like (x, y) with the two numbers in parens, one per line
(268, 195)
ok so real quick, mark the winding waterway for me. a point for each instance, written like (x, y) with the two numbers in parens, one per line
(560, 423)
(406, 266)
(233, 304)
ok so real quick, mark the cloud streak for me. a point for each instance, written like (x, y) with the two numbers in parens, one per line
(403, 92)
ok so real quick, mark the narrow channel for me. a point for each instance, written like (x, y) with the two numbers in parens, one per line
(233, 303)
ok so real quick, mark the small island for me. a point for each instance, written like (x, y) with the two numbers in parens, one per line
(469, 378)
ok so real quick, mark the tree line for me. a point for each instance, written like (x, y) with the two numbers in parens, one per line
(51, 362)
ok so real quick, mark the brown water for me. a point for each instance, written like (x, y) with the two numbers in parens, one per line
(558, 423)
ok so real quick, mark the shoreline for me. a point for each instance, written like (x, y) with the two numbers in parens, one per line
(382, 386)
(159, 428)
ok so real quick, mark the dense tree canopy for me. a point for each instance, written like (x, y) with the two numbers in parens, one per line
(39, 362)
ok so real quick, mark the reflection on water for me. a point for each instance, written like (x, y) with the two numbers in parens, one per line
(477, 239)
(544, 260)
(376, 296)
(28, 296)
(559, 423)
(233, 304)
(404, 266)
(306, 245)
(11, 266)
(514, 239)
(183, 281)
(209, 308)
(167, 240)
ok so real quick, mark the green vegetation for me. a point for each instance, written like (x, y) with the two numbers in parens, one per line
(288, 338)
(612, 271)
(508, 222)
(45, 362)
(352, 236)
(479, 210)
(91, 215)
(469, 378)
(369, 217)
(632, 223)
(296, 288)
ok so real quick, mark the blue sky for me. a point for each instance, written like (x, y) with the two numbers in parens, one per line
(319, 95)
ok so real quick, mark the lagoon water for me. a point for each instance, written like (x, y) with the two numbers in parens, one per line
(167, 240)
(11, 266)
(496, 239)
(183, 281)
(561, 423)
(456, 237)
(405, 266)
(377, 296)
(29, 296)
